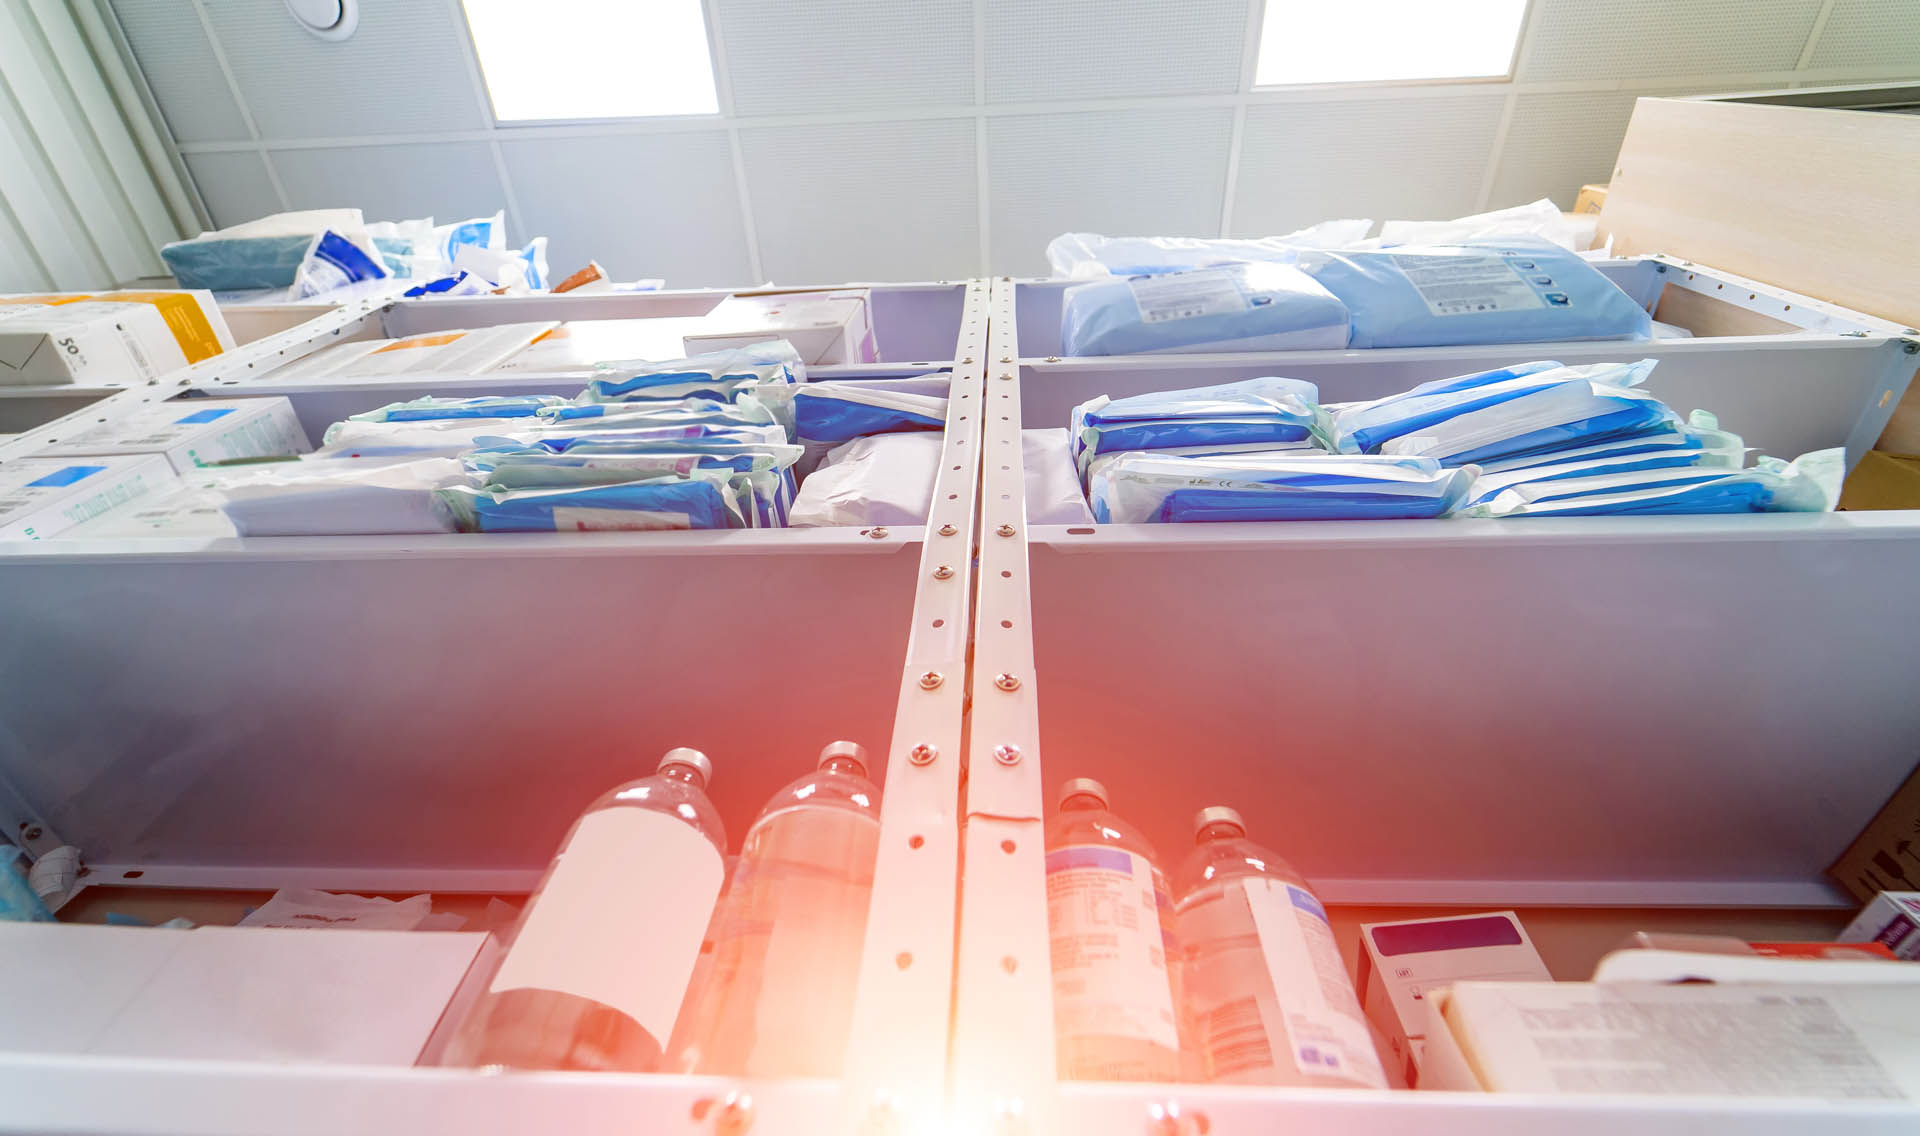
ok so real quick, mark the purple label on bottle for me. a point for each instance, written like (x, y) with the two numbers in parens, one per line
(1109, 859)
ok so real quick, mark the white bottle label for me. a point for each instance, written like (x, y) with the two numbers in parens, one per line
(1109, 955)
(619, 918)
(1325, 1031)
(1187, 295)
(1477, 284)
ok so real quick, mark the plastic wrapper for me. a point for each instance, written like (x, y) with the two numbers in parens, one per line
(1808, 484)
(1147, 488)
(334, 498)
(1259, 306)
(1086, 256)
(701, 500)
(1054, 496)
(883, 479)
(1253, 411)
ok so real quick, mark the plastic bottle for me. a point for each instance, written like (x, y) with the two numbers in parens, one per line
(599, 962)
(786, 955)
(1268, 999)
(1110, 918)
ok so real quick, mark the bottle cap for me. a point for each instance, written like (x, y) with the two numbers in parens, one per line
(1217, 814)
(691, 758)
(845, 751)
(1083, 787)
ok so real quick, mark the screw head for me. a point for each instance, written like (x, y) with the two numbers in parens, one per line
(32, 832)
(923, 754)
(736, 1115)
(968, 359)
(1007, 682)
(1006, 358)
(1005, 530)
(948, 530)
(931, 680)
(1053, 358)
(1007, 754)
(877, 533)
(944, 572)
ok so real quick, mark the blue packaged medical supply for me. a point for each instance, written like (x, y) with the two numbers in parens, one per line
(1270, 410)
(841, 412)
(719, 375)
(1526, 291)
(1360, 428)
(1808, 484)
(1151, 488)
(1561, 416)
(490, 406)
(1258, 306)
(236, 264)
(698, 502)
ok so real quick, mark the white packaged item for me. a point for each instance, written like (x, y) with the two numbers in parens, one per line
(251, 994)
(1087, 256)
(186, 514)
(43, 496)
(313, 909)
(579, 345)
(192, 433)
(107, 337)
(1404, 961)
(1892, 919)
(1541, 219)
(1053, 487)
(884, 479)
(442, 437)
(340, 497)
(826, 328)
(1816, 1037)
(460, 352)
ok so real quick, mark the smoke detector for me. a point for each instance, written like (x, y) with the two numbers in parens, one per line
(328, 19)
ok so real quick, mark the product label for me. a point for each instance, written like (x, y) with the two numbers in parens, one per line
(585, 518)
(1185, 295)
(1110, 977)
(186, 319)
(1325, 1031)
(1471, 285)
(619, 918)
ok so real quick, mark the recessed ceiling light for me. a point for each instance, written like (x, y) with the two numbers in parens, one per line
(328, 19)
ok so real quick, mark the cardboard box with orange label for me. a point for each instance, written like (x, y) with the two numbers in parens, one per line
(99, 338)
(472, 352)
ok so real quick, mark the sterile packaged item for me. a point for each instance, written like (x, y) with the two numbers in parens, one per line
(1404, 961)
(1087, 256)
(1054, 496)
(40, 497)
(581, 346)
(264, 253)
(1270, 411)
(778, 1000)
(715, 374)
(1710, 462)
(334, 261)
(437, 437)
(185, 514)
(1823, 1034)
(1540, 219)
(455, 284)
(1547, 411)
(431, 408)
(1670, 331)
(1521, 291)
(405, 247)
(107, 337)
(826, 328)
(1362, 427)
(192, 433)
(475, 232)
(1257, 306)
(598, 965)
(1150, 488)
(882, 479)
(1702, 432)
(514, 271)
(1267, 995)
(1892, 919)
(744, 410)
(699, 500)
(1116, 993)
(18, 901)
(1808, 484)
(548, 463)
(335, 497)
(467, 352)
(842, 411)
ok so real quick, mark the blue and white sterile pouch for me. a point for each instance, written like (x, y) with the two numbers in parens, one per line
(746, 410)
(702, 500)
(1563, 415)
(333, 261)
(1148, 488)
(360, 438)
(1521, 291)
(1263, 410)
(720, 375)
(486, 406)
(1808, 484)
(1257, 306)
(843, 411)
(326, 497)
(1702, 431)
(1361, 427)
(1715, 461)
(1088, 256)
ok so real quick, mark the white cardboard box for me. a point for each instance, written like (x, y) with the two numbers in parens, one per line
(1405, 961)
(460, 352)
(188, 514)
(193, 433)
(107, 337)
(826, 328)
(1892, 919)
(43, 496)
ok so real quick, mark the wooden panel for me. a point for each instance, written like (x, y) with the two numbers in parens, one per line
(1824, 202)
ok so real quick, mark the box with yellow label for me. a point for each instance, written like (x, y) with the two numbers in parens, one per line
(99, 338)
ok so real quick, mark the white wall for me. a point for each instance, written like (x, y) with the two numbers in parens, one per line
(891, 139)
(80, 203)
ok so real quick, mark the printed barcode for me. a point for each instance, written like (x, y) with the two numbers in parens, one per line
(1237, 1039)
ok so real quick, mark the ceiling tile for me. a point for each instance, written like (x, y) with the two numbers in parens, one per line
(1648, 39)
(234, 185)
(178, 62)
(450, 181)
(850, 55)
(1077, 49)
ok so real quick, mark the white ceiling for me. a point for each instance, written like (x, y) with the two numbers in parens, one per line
(924, 139)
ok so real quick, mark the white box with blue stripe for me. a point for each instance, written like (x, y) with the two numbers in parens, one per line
(193, 433)
(41, 496)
